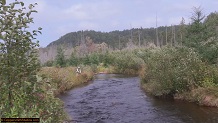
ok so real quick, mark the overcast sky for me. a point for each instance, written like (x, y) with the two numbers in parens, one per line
(58, 17)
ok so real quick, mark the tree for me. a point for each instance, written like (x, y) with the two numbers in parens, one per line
(197, 30)
(212, 23)
(201, 37)
(157, 38)
(60, 58)
(19, 63)
(211, 45)
(182, 30)
(74, 61)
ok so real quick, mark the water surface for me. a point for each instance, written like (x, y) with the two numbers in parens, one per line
(115, 98)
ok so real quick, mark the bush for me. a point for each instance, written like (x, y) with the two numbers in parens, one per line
(127, 62)
(177, 70)
(49, 63)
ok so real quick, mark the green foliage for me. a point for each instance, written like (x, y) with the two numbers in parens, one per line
(60, 58)
(144, 54)
(90, 59)
(212, 23)
(176, 70)
(86, 60)
(94, 58)
(72, 39)
(19, 63)
(49, 63)
(202, 36)
(127, 62)
(23, 93)
(50, 108)
(73, 60)
(107, 59)
(197, 32)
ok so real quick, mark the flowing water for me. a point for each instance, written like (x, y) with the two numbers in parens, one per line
(114, 98)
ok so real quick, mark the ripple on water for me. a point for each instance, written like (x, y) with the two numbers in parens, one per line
(115, 98)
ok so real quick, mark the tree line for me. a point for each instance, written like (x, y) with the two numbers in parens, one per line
(167, 35)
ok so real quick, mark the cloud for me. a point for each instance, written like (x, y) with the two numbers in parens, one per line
(86, 25)
(91, 11)
(58, 17)
(78, 12)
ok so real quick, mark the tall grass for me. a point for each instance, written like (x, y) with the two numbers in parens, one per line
(62, 79)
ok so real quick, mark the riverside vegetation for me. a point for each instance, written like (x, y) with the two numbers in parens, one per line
(187, 70)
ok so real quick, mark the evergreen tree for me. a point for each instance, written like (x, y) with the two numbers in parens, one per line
(60, 58)
(197, 32)
(73, 60)
(200, 37)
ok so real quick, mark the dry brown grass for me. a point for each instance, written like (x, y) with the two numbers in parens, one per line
(103, 69)
(202, 96)
(62, 79)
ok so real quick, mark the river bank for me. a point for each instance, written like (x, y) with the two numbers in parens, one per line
(64, 79)
(58, 80)
(112, 98)
(200, 96)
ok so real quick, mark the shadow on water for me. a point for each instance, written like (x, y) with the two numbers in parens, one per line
(116, 98)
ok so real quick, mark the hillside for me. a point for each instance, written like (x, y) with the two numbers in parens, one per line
(114, 40)
(147, 35)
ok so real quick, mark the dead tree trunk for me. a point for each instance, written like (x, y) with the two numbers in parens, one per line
(166, 36)
(157, 40)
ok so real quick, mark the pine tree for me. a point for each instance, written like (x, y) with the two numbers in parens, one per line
(201, 38)
(197, 30)
(60, 58)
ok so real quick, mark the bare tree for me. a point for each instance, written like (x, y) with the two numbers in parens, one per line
(157, 40)
(171, 36)
(182, 30)
(83, 49)
(166, 36)
(139, 34)
(119, 42)
(131, 33)
(130, 44)
(174, 36)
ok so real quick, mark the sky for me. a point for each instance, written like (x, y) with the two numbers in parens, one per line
(58, 17)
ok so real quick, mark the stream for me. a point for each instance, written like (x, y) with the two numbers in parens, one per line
(116, 98)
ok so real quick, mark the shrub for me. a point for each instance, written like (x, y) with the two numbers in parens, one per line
(49, 63)
(126, 62)
(177, 70)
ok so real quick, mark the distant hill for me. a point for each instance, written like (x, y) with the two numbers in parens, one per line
(72, 39)
(114, 40)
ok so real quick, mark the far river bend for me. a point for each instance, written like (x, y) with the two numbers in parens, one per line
(115, 98)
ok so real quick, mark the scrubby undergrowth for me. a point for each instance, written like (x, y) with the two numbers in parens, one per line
(62, 79)
(179, 73)
(202, 96)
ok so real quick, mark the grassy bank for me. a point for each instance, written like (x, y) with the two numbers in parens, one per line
(55, 81)
(201, 96)
(62, 79)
